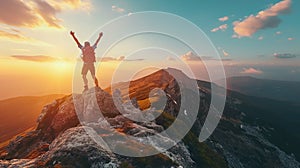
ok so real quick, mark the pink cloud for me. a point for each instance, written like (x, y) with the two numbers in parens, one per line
(251, 71)
(48, 13)
(117, 9)
(117, 59)
(290, 38)
(36, 58)
(223, 19)
(190, 56)
(13, 36)
(18, 36)
(169, 58)
(223, 27)
(22, 14)
(35, 13)
(264, 19)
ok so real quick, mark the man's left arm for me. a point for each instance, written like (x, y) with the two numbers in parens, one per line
(97, 41)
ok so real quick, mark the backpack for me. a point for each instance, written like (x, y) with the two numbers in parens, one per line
(88, 54)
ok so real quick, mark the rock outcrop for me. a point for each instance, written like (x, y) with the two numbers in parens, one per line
(66, 133)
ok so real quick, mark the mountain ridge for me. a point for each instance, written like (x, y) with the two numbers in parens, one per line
(266, 88)
(240, 140)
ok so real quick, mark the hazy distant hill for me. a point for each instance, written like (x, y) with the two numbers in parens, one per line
(273, 89)
(20, 113)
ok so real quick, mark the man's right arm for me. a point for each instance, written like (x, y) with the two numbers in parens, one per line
(76, 40)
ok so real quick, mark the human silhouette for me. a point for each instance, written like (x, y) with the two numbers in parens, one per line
(89, 58)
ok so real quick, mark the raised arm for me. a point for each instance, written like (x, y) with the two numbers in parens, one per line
(97, 41)
(74, 37)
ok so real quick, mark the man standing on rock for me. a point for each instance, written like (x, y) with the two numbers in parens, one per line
(88, 57)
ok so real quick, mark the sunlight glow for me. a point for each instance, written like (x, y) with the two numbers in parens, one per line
(61, 65)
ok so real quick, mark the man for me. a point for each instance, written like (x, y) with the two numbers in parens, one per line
(88, 57)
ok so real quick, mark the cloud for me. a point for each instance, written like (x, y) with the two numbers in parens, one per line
(85, 5)
(278, 33)
(284, 55)
(251, 71)
(138, 59)
(290, 38)
(169, 58)
(17, 13)
(190, 56)
(223, 27)
(21, 49)
(15, 30)
(36, 13)
(117, 9)
(260, 38)
(13, 36)
(48, 13)
(18, 36)
(264, 19)
(36, 58)
(226, 54)
(235, 36)
(223, 59)
(107, 59)
(223, 19)
(121, 58)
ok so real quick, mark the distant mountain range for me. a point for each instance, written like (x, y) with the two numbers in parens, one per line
(273, 89)
(20, 113)
(253, 131)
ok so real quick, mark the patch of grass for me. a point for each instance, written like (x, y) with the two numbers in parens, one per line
(201, 153)
(158, 160)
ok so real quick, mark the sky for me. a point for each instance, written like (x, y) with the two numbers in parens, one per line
(258, 38)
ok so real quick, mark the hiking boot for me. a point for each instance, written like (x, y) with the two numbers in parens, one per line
(96, 82)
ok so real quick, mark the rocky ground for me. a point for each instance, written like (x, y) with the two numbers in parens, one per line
(72, 133)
